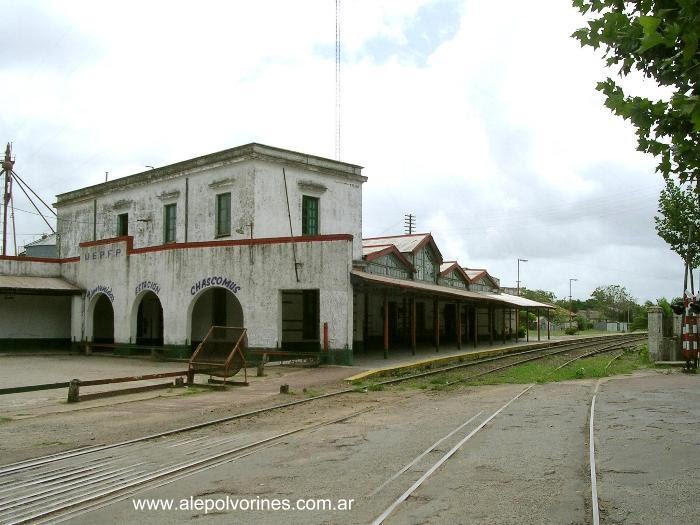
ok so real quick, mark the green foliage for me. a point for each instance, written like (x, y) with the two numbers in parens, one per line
(680, 212)
(582, 323)
(665, 305)
(521, 331)
(571, 330)
(658, 38)
(614, 302)
(541, 296)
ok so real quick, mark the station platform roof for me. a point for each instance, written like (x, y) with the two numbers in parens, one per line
(37, 285)
(426, 288)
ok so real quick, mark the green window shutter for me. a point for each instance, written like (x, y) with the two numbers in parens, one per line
(309, 215)
(170, 222)
(223, 214)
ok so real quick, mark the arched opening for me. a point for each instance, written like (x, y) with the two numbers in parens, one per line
(213, 307)
(103, 320)
(149, 321)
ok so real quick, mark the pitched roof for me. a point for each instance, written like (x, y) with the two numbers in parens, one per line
(46, 240)
(370, 253)
(475, 274)
(448, 266)
(405, 243)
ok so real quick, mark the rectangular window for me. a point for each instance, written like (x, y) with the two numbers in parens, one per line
(309, 215)
(170, 222)
(122, 224)
(223, 214)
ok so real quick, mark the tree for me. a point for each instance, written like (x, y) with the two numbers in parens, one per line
(679, 211)
(541, 296)
(658, 38)
(614, 302)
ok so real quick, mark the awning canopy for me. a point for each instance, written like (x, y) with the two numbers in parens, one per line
(445, 291)
(20, 284)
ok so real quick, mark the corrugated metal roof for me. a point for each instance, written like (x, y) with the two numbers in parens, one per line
(368, 250)
(518, 301)
(449, 291)
(474, 273)
(404, 243)
(48, 240)
(37, 285)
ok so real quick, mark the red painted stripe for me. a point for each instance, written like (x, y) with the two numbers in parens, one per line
(243, 242)
(128, 239)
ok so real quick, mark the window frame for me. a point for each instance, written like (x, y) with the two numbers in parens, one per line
(219, 232)
(305, 218)
(167, 226)
(122, 220)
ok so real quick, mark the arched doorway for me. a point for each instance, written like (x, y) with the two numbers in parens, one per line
(213, 307)
(149, 321)
(103, 320)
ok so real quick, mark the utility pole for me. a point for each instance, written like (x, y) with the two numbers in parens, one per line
(409, 222)
(7, 165)
(518, 281)
(571, 313)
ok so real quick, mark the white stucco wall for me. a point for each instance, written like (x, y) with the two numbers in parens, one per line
(259, 272)
(257, 196)
(35, 317)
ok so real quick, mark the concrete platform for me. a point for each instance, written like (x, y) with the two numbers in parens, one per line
(402, 361)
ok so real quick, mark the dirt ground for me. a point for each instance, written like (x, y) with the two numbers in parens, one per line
(528, 465)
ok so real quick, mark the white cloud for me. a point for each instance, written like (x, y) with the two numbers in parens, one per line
(496, 138)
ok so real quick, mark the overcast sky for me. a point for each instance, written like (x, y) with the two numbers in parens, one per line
(481, 118)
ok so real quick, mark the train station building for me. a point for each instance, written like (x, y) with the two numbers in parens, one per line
(256, 237)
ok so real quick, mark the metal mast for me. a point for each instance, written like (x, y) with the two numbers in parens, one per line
(7, 165)
(337, 79)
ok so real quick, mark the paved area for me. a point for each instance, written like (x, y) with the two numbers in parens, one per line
(647, 439)
(529, 464)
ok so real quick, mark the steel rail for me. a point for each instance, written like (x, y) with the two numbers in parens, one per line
(535, 358)
(143, 479)
(384, 515)
(595, 352)
(41, 460)
(591, 458)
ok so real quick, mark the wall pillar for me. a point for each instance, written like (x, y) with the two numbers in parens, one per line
(413, 326)
(655, 338)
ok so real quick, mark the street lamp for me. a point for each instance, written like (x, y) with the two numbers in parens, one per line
(571, 313)
(518, 281)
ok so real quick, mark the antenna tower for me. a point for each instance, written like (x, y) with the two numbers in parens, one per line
(11, 178)
(337, 79)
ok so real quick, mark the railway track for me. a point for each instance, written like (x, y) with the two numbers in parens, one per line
(74, 482)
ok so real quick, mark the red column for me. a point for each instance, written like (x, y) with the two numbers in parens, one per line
(436, 324)
(413, 326)
(458, 310)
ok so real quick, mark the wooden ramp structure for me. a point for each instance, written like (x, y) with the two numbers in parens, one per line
(220, 355)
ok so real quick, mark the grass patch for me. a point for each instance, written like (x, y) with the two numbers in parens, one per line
(543, 371)
(188, 390)
(375, 388)
(4, 419)
(310, 392)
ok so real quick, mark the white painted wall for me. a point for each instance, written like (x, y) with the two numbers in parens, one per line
(35, 317)
(259, 271)
(257, 196)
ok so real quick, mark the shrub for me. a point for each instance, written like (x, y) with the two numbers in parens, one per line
(571, 331)
(521, 332)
